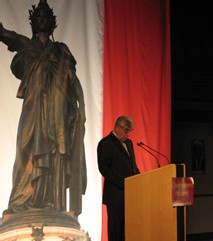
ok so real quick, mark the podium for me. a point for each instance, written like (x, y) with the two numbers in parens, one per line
(149, 212)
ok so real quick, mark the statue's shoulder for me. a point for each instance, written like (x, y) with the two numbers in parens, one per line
(66, 51)
(63, 47)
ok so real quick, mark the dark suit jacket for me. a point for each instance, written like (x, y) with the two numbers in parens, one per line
(115, 164)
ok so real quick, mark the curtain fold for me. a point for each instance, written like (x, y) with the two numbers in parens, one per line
(137, 72)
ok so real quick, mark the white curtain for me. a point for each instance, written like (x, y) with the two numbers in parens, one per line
(80, 26)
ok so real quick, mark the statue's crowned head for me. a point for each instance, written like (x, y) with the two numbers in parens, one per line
(42, 18)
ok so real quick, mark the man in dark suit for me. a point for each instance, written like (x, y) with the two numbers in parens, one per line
(116, 161)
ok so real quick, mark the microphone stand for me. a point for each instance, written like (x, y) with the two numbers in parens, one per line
(140, 145)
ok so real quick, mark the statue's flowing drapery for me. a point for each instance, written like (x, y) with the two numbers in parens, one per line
(50, 151)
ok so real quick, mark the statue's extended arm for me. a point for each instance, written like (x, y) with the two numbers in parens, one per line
(7, 37)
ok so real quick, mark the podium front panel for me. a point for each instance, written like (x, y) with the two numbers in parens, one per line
(149, 214)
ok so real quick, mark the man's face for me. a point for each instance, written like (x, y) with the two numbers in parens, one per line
(122, 132)
(42, 23)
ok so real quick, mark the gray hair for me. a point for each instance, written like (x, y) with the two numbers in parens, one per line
(124, 121)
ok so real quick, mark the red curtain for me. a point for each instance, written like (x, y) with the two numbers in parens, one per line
(137, 75)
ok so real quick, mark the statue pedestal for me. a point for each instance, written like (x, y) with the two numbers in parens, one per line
(41, 224)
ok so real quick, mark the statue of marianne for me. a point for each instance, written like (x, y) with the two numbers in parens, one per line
(50, 153)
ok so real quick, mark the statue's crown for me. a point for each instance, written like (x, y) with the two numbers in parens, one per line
(42, 3)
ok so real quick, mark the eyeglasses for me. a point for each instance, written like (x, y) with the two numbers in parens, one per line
(126, 129)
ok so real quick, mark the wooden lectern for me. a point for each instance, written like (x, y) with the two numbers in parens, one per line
(149, 213)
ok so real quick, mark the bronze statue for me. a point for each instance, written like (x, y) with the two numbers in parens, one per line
(50, 150)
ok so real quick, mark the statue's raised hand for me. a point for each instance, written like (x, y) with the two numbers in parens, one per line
(1, 31)
(1, 28)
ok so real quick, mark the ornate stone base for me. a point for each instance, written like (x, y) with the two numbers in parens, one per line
(39, 225)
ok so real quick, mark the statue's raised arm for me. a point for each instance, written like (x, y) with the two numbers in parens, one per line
(14, 41)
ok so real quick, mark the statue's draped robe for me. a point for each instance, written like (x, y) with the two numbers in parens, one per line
(50, 151)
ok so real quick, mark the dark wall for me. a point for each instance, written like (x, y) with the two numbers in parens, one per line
(192, 103)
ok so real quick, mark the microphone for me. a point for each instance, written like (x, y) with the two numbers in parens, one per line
(142, 144)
